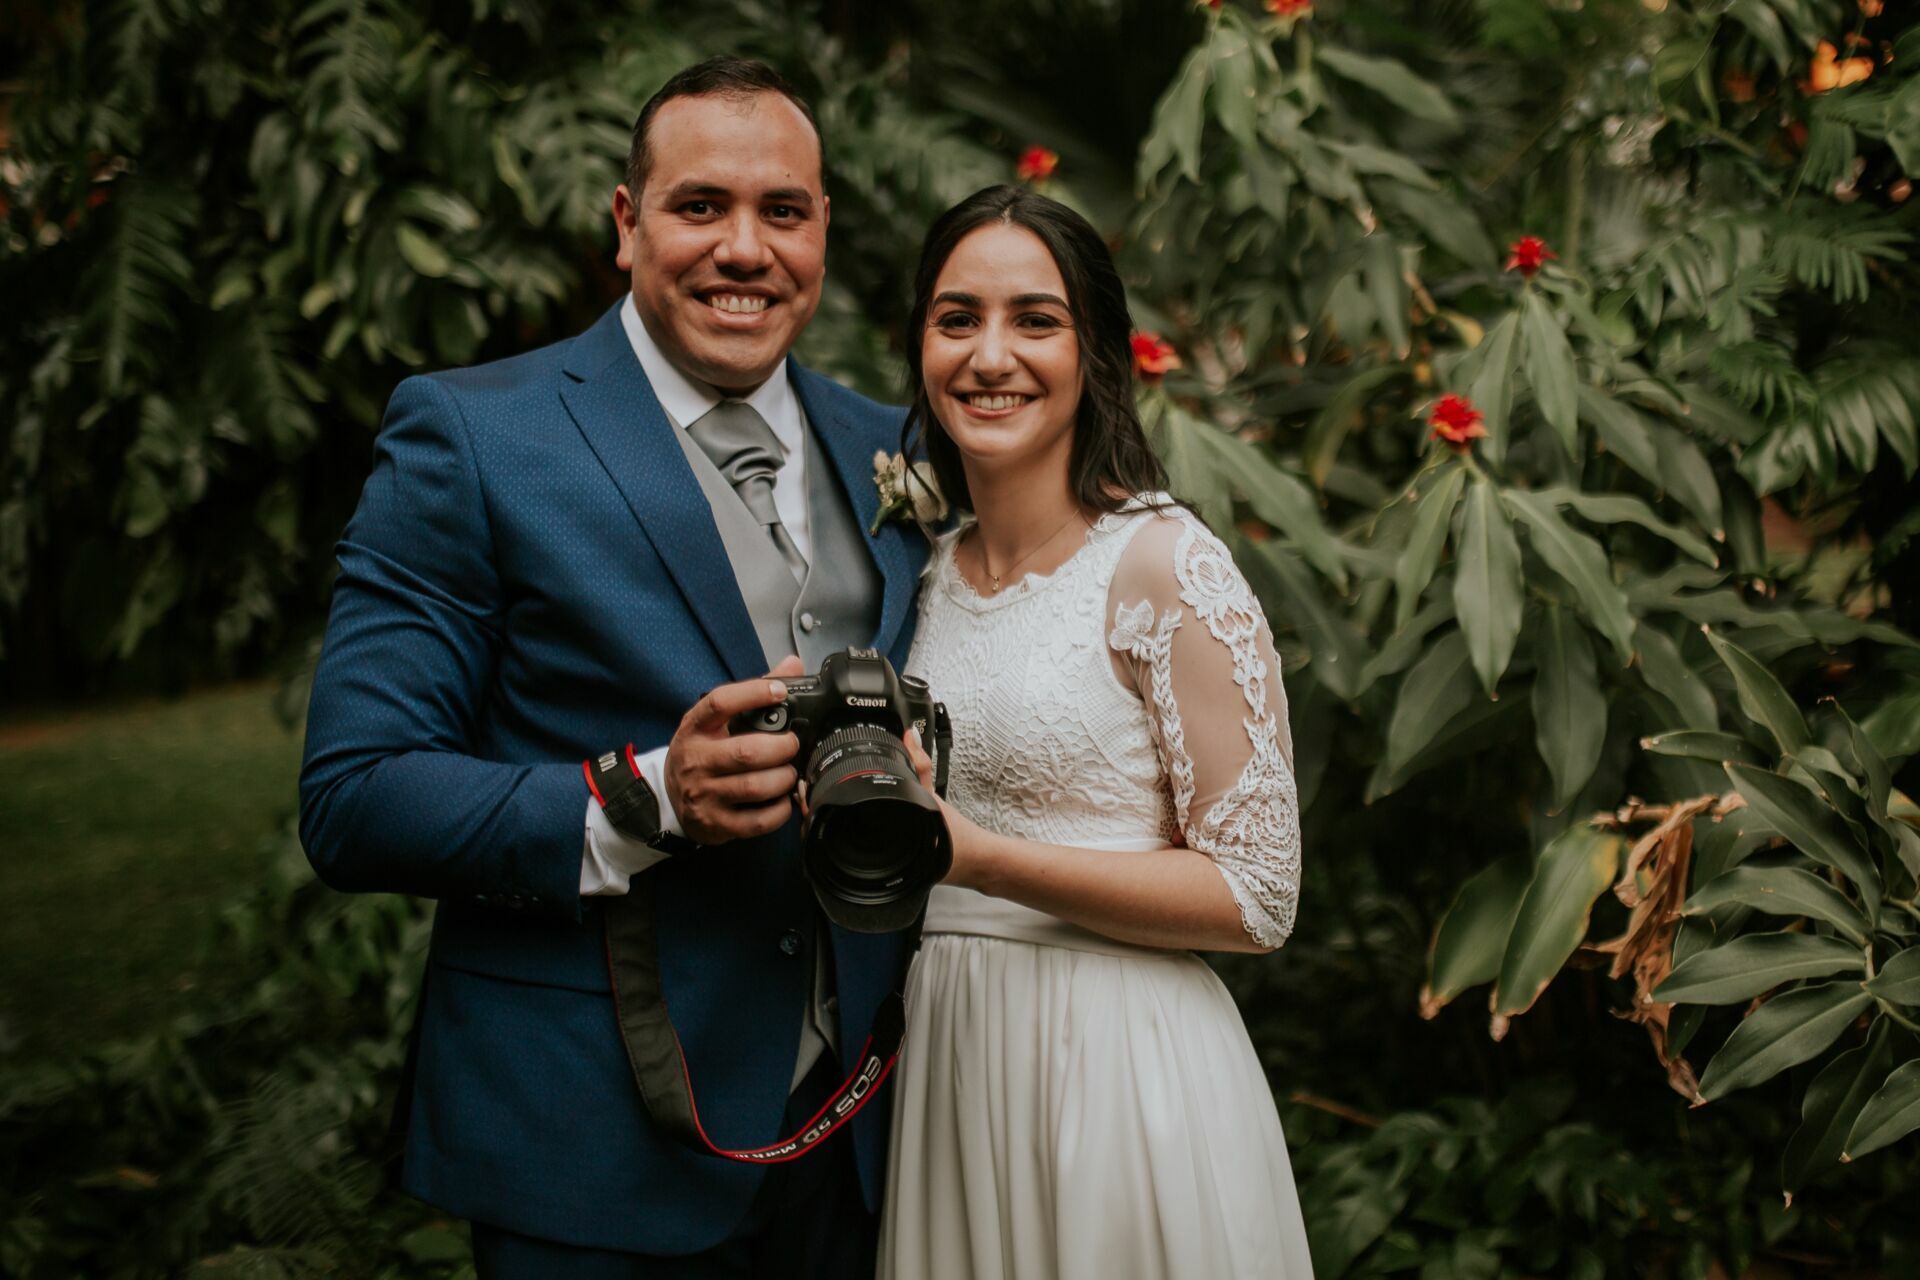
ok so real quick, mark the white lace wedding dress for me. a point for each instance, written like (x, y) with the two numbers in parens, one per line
(1067, 1105)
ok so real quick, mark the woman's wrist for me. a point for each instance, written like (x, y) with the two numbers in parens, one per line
(974, 855)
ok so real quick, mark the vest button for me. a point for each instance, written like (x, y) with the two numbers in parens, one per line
(808, 622)
(790, 942)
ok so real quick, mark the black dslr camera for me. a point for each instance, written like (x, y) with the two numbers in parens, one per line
(874, 842)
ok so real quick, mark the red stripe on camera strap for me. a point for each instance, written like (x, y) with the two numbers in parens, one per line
(660, 1066)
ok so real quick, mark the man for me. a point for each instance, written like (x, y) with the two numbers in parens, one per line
(604, 542)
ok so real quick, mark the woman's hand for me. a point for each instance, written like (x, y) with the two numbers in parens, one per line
(969, 838)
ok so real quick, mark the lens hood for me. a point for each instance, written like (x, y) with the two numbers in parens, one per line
(875, 841)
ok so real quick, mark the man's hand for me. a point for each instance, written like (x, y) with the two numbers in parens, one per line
(724, 787)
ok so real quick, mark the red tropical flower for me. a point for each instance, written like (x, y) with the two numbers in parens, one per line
(1036, 164)
(1528, 254)
(1153, 356)
(1830, 71)
(1290, 8)
(1455, 420)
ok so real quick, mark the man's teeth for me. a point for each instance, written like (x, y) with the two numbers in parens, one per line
(737, 304)
(997, 402)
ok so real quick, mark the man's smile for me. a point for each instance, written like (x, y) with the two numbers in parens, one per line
(738, 304)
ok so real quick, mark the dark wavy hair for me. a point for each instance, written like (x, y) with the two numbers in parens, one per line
(1111, 460)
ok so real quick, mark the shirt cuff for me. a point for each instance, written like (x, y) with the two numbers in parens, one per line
(609, 859)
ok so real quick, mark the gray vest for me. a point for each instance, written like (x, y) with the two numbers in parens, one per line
(839, 604)
(837, 607)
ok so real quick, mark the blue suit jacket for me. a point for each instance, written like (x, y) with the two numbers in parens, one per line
(532, 577)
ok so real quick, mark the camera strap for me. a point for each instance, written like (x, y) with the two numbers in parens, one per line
(660, 1066)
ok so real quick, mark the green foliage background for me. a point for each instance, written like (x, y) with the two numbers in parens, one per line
(229, 230)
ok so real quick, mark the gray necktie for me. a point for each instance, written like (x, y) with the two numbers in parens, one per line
(747, 453)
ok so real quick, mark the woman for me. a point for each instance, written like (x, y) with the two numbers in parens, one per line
(1077, 1095)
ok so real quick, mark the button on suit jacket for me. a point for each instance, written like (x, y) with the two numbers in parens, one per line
(532, 577)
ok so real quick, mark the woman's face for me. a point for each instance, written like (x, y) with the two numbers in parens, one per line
(999, 355)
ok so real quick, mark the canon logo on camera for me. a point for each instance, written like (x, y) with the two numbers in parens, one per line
(858, 700)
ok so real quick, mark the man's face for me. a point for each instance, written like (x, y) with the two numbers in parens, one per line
(727, 239)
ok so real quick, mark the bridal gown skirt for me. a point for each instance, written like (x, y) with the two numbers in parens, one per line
(1084, 1110)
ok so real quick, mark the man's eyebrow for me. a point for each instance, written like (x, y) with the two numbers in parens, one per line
(694, 188)
(789, 195)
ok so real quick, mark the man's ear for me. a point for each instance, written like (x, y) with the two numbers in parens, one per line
(826, 210)
(626, 219)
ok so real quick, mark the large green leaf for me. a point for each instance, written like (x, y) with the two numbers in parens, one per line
(1669, 676)
(1426, 540)
(1760, 18)
(1618, 508)
(1702, 744)
(1687, 477)
(1871, 765)
(1899, 978)
(1830, 1107)
(1573, 870)
(1810, 826)
(1392, 80)
(1762, 698)
(1550, 369)
(1482, 723)
(1348, 1225)
(1748, 966)
(1622, 430)
(1580, 560)
(1337, 652)
(1274, 494)
(422, 252)
(1437, 688)
(1472, 936)
(1890, 1115)
(1234, 95)
(1492, 387)
(1487, 583)
(1894, 725)
(1343, 410)
(1569, 711)
(1782, 1033)
(1387, 288)
(1178, 120)
(1782, 891)
(1400, 650)
(1446, 222)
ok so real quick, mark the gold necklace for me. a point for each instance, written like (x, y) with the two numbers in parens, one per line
(996, 577)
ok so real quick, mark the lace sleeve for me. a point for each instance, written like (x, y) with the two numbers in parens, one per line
(1192, 639)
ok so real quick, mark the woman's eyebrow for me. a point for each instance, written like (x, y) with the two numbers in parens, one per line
(1037, 299)
(957, 298)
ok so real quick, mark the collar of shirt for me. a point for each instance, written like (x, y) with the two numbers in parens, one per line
(686, 399)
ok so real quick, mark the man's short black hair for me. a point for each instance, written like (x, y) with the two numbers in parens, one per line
(725, 76)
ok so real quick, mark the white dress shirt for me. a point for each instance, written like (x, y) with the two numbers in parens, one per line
(611, 858)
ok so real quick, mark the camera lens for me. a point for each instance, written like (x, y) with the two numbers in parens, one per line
(867, 843)
(875, 840)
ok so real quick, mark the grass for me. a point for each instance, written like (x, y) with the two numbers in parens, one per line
(123, 832)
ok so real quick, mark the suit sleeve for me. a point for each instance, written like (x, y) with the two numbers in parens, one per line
(393, 797)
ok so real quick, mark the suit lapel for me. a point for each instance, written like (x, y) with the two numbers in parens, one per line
(611, 402)
(897, 549)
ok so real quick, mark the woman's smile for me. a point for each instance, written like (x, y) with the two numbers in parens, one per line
(1000, 340)
(991, 405)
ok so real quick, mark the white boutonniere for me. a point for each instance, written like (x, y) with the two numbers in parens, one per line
(906, 490)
